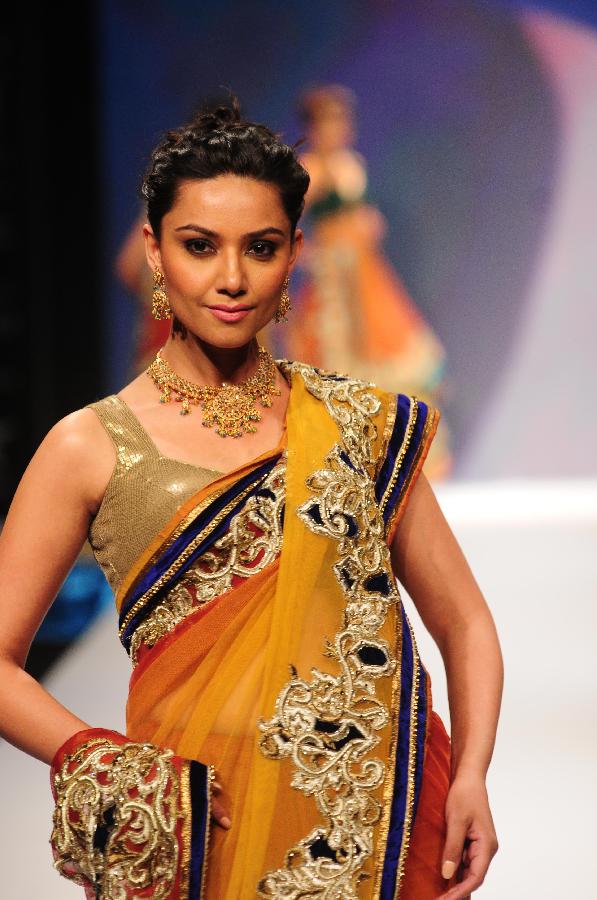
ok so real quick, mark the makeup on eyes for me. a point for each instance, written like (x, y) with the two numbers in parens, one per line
(202, 247)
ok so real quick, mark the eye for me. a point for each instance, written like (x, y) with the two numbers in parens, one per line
(262, 249)
(199, 246)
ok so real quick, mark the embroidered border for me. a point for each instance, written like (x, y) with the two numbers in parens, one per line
(138, 787)
(202, 531)
(131, 820)
(251, 542)
(407, 763)
(329, 725)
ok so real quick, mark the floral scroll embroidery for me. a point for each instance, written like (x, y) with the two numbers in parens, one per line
(138, 787)
(251, 543)
(329, 724)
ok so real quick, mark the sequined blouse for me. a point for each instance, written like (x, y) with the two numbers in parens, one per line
(144, 491)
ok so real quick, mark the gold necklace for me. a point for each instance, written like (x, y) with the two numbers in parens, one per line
(230, 408)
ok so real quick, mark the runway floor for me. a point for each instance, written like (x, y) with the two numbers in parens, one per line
(533, 547)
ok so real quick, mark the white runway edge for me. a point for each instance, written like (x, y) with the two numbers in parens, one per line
(533, 547)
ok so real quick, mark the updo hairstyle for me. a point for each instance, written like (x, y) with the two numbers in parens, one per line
(219, 142)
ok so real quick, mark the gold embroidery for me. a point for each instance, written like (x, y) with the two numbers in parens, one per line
(179, 562)
(252, 542)
(412, 759)
(208, 814)
(136, 788)
(186, 829)
(388, 789)
(391, 414)
(329, 725)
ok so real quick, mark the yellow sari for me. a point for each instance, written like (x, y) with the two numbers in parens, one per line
(270, 642)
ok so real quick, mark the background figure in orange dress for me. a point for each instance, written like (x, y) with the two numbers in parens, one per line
(354, 314)
(131, 269)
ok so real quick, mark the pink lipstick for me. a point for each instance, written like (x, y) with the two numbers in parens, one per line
(230, 313)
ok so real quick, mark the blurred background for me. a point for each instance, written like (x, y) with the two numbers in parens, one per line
(478, 124)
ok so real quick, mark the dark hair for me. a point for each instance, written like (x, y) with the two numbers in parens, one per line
(219, 142)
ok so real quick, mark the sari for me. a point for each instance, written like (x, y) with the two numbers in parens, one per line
(269, 642)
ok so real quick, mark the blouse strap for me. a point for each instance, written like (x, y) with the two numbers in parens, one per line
(125, 430)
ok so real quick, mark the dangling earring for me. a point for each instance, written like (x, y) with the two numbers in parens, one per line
(284, 307)
(160, 308)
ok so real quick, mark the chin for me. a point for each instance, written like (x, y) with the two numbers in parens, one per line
(227, 338)
(227, 335)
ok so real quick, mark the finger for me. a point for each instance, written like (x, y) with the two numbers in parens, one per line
(473, 875)
(454, 846)
(220, 814)
(466, 855)
(216, 787)
(463, 890)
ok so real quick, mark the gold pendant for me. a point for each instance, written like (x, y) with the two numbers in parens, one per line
(230, 409)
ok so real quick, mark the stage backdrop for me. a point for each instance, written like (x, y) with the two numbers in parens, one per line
(479, 123)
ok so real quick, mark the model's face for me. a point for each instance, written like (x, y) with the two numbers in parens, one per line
(225, 250)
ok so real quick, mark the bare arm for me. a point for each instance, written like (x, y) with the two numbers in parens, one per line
(430, 564)
(43, 534)
(42, 537)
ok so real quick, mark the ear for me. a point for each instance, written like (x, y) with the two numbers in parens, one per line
(295, 249)
(152, 248)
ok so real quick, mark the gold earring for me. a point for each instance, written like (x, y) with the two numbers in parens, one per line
(160, 308)
(284, 307)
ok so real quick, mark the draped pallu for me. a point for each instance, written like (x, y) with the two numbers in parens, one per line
(270, 642)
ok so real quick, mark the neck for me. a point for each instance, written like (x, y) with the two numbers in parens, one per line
(203, 363)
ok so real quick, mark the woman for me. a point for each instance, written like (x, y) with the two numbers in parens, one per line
(356, 315)
(276, 683)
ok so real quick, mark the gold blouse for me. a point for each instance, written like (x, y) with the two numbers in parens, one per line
(144, 491)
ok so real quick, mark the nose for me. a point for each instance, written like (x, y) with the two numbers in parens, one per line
(231, 277)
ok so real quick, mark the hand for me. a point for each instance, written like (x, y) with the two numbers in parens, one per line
(219, 812)
(471, 842)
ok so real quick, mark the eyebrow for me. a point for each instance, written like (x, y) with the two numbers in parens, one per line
(251, 234)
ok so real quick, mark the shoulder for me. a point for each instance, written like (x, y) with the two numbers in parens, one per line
(323, 379)
(73, 434)
(327, 382)
(353, 403)
(399, 418)
(79, 432)
(77, 453)
(323, 382)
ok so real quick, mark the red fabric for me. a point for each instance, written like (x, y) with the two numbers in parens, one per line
(132, 839)
(72, 744)
(422, 876)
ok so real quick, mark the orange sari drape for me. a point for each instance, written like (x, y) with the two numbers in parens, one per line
(301, 683)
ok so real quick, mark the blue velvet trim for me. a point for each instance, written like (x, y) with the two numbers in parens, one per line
(399, 799)
(422, 716)
(165, 560)
(395, 442)
(396, 438)
(199, 784)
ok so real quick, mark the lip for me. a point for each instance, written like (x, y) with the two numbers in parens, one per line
(230, 313)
